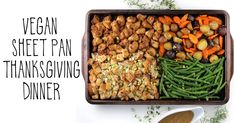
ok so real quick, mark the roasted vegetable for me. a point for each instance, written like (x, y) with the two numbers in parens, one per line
(222, 30)
(170, 54)
(214, 25)
(168, 46)
(181, 55)
(197, 55)
(177, 47)
(174, 27)
(202, 44)
(213, 58)
(204, 28)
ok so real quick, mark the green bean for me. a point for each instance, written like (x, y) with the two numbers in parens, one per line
(207, 94)
(185, 71)
(164, 97)
(193, 74)
(192, 79)
(160, 84)
(211, 97)
(214, 63)
(200, 73)
(194, 64)
(185, 96)
(190, 57)
(187, 62)
(174, 96)
(181, 71)
(201, 88)
(186, 83)
(220, 87)
(216, 71)
(221, 62)
(210, 79)
(164, 91)
(170, 80)
(190, 92)
(218, 75)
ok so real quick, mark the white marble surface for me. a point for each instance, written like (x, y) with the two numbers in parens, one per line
(72, 108)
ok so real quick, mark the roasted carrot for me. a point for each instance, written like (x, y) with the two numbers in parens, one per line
(212, 36)
(221, 41)
(213, 50)
(168, 19)
(221, 52)
(199, 34)
(183, 24)
(201, 17)
(190, 50)
(184, 18)
(205, 53)
(185, 36)
(176, 19)
(205, 21)
(212, 18)
(162, 20)
(161, 49)
(200, 21)
(193, 38)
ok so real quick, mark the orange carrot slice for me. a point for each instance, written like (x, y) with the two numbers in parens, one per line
(162, 20)
(198, 34)
(221, 41)
(200, 21)
(221, 52)
(190, 50)
(205, 53)
(161, 49)
(184, 18)
(183, 24)
(176, 19)
(205, 21)
(185, 36)
(201, 17)
(193, 38)
(168, 19)
(212, 36)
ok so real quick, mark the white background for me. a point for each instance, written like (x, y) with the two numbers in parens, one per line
(72, 108)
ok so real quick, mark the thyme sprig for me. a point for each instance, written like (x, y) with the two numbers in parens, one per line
(151, 112)
(152, 4)
(219, 116)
